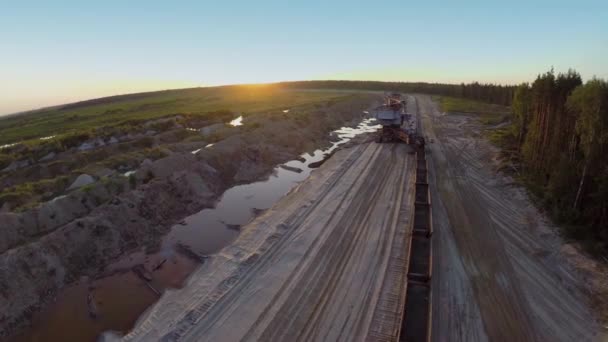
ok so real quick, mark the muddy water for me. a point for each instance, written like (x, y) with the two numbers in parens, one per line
(85, 309)
(120, 296)
(209, 230)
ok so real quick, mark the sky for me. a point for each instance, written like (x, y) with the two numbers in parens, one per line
(54, 52)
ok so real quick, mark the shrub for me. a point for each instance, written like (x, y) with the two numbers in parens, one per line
(15, 198)
(161, 126)
(31, 192)
(194, 138)
(222, 115)
(5, 160)
(133, 181)
(144, 142)
(155, 153)
(253, 126)
(88, 188)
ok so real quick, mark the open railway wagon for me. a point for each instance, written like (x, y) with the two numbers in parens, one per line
(417, 314)
(397, 125)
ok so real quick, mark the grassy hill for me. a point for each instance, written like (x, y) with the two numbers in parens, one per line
(118, 110)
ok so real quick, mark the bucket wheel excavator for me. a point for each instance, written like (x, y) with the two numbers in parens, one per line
(397, 124)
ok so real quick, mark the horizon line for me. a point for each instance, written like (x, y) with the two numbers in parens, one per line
(2, 116)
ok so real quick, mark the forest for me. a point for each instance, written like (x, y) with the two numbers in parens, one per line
(491, 93)
(559, 135)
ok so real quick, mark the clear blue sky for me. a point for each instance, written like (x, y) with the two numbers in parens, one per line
(54, 52)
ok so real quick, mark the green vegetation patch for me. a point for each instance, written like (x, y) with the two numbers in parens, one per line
(73, 120)
(30, 193)
(489, 113)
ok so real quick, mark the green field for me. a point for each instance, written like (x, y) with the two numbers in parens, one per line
(118, 110)
(489, 113)
(75, 123)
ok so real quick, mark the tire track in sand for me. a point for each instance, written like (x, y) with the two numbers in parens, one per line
(344, 255)
(521, 296)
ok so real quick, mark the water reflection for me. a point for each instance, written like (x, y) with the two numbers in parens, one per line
(237, 122)
(118, 299)
(7, 146)
(209, 230)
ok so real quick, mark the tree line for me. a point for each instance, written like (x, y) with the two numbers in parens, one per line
(491, 93)
(560, 132)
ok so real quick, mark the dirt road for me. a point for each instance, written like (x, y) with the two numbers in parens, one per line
(326, 263)
(498, 271)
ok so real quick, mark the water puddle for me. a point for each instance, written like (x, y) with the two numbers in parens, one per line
(87, 308)
(129, 173)
(130, 285)
(7, 146)
(209, 230)
(200, 149)
(58, 198)
(237, 122)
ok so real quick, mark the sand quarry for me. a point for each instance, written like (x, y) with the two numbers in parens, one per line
(326, 262)
(318, 265)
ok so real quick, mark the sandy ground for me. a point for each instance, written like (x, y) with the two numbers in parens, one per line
(327, 262)
(314, 267)
(499, 274)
